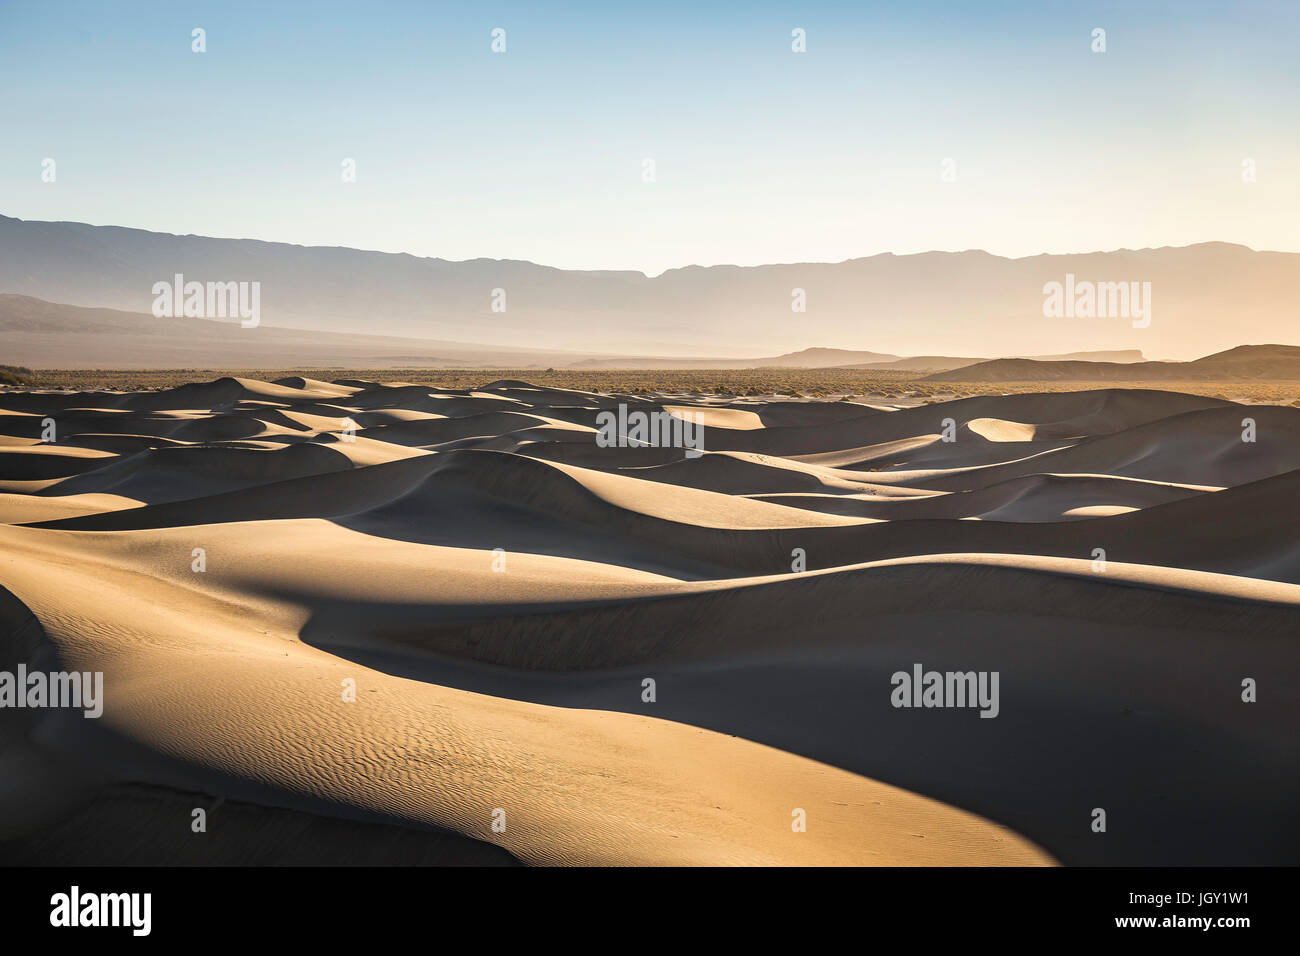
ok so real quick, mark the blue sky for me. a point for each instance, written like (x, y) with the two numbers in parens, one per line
(761, 154)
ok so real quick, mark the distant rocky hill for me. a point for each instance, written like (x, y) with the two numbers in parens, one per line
(1245, 362)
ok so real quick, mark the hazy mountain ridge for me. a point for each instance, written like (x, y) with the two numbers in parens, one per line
(1205, 297)
(44, 334)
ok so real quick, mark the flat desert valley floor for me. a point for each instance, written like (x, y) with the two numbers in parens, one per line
(356, 622)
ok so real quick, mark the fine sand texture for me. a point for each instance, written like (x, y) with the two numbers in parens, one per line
(358, 623)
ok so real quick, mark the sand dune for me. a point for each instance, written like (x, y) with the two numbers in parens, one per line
(499, 587)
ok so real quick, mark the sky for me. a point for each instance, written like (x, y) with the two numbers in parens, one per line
(902, 127)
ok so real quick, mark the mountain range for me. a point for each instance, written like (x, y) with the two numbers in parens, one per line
(1203, 298)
